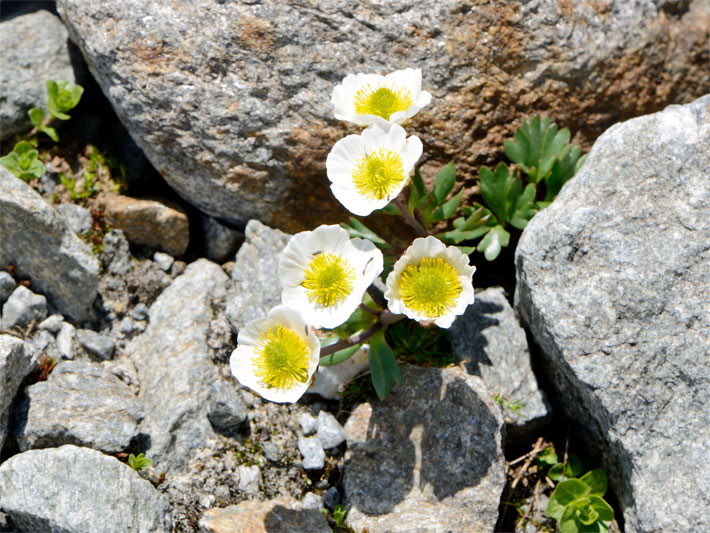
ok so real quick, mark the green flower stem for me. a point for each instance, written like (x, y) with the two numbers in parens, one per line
(352, 341)
(45, 122)
(418, 227)
(369, 309)
(387, 318)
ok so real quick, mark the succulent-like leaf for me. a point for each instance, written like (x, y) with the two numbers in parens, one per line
(383, 365)
(63, 96)
(596, 480)
(606, 513)
(339, 356)
(36, 116)
(496, 238)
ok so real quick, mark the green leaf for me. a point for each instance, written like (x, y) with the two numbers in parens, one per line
(51, 132)
(23, 147)
(63, 96)
(418, 183)
(546, 458)
(339, 356)
(496, 238)
(36, 116)
(444, 183)
(448, 209)
(568, 522)
(494, 189)
(389, 209)
(11, 162)
(554, 508)
(606, 513)
(596, 480)
(383, 365)
(413, 199)
(574, 466)
(357, 321)
(358, 229)
(466, 250)
(570, 490)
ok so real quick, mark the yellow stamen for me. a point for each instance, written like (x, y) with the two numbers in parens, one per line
(282, 358)
(378, 174)
(430, 287)
(329, 279)
(382, 101)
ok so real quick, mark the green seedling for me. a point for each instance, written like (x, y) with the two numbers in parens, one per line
(139, 462)
(23, 162)
(578, 504)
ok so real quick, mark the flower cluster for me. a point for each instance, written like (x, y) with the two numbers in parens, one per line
(325, 273)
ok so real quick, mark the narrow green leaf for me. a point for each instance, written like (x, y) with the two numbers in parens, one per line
(466, 250)
(358, 229)
(514, 151)
(413, 199)
(418, 183)
(444, 183)
(596, 480)
(448, 209)
(574, 466)
(36, 116)
(383, 365)
(389, 209)
(51, 132)
(338, 357)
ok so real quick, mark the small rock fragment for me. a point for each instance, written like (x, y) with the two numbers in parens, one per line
(330, 432)
(249, 477)
(282, 515)
(312, 501)
(140, 311)
(163, 260)
(308, 423)
(77, 218)
(271, 452)
(331, 498)
(116, 253)
(312, 451)
(7, 285)
(65, 341)
(52, 323)
(22, 307)
(96, 344)
(17, 360)
(226, 411)
(42, 339)
(221, 241)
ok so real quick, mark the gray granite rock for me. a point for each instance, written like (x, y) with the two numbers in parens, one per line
(95, 344)
(80, 403)
(116, 253)
(612, 281)
(226, 411)
(429, 458)
(77, 490)
(36, 240)
(77, 218)
(255, 274)
(331, 498)
(490, 342)
(221, 241)
(140, 311)
(308, 423)
(35, 49)
(52, 323)
(41, 339)
(174, 364)
(311, 449)
(282, 515)
(17, 360)
(22, 308)
(249, 477)
(330, 433)
(268, 69)
(7, 285)
(163, 260)
(65, 341)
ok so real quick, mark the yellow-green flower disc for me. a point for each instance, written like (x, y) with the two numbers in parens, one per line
(281, 358)
(382, 101)
(378, 174)
(328, 279)
(430, 287)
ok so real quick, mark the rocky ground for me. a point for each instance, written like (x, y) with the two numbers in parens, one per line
(120, 301)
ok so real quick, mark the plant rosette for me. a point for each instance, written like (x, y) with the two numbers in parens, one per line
(369, 170)
(430, 283)
(276, 355)
(366, 99)
(324, 274)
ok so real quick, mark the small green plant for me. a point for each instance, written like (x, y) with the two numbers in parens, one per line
(62, 97)
(23, 162)
(515, 406)
(339, 514)
(139, 462)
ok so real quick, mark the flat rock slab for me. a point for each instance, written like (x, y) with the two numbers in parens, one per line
(428, 458)
(230, 101)
(80, 403)
(272, 516)
(490, 342)
(77, 490)
(174, 364)
(35, 49)
(35, 238)
(17, 360)
(613, 281)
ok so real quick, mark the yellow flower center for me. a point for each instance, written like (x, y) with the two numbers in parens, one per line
(430, 288)
(282, 358)
(329, 279)
(382, 101)
(378, 174)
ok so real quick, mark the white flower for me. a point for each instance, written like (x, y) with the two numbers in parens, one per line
(367, 171)
(276, 356)
(373, 99)
(324, 274)
(431, 282)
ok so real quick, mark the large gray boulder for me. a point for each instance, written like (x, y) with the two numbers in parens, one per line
(230, 100)
(490, 342)
(17, 360)
(34, 238)
(174, 364)
(35, 49)
(613, 281)
(429, 458)
(77, 490)
(80, 403)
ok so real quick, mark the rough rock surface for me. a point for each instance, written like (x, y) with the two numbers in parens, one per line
(35, 49)
(612, 280)
(492, 345)
(221, 241)
(17, 359)
(255, 274)
(159, 224)
(429, 458)
(174, 364)
(22, 308)
(36, 240)
(282, 515)
(79, 490)
(231, 103)
(80, 403)
(7, 285)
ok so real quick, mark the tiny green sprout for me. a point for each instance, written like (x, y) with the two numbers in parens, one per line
(23, 162)
(578, 504)
(339, 513)
(515, 406)
(546, 458)
(139, 462)
(63, 97)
